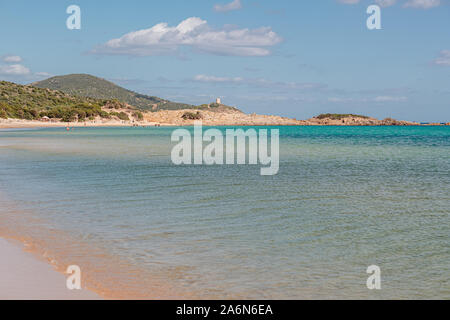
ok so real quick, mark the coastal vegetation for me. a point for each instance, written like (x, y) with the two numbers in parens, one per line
(27, 102)
(31, 103)
(215, 107)
(192, 116)
(138, 115)
(84, 85)
(339, 116)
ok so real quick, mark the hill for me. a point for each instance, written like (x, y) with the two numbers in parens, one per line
(32, 103)
(348, 119)
(84, 85)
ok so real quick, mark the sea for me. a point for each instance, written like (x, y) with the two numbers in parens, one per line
(111, 201)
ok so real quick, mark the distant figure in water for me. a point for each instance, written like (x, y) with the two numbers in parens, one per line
(68, 129)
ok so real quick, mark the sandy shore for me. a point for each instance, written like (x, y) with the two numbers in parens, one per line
(167, 118)
(17, 124)
(24, 277)
(208, 117)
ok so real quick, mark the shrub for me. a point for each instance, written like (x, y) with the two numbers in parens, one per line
(192, 116)
(138, 115)
(121, 116)
(69, 116)
(34, 113)
(103, 114)
(81, 115)
(27, 115)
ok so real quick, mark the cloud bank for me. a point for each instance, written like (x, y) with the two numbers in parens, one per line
(422, 4)
(385, 3)
(196, 34)
(418, 4)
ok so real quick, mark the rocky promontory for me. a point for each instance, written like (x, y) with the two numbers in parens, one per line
(332, 119)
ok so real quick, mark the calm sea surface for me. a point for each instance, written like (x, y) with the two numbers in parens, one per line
(345, 198)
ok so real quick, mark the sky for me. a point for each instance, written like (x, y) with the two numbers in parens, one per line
(291, 58)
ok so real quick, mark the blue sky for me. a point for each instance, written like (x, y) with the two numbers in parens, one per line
(290, 58)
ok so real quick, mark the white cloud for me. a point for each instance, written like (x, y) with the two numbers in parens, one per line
(385, 3)
(214, 79)
(260, 82)
(43, 74)
(340, 100)
(422, 4)
(443, 59)
(194, 33)
(12, 59)
(234, 5)
(14, 70)
(349, 1)
(389, 99)
(373, 99)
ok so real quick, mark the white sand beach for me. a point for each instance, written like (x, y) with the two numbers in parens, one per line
(24, 277)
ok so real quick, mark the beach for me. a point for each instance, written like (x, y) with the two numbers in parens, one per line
(21, 124)
(168, 118)
(23, 276)
(161, 118)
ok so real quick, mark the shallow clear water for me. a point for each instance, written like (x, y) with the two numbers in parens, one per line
(344, 198)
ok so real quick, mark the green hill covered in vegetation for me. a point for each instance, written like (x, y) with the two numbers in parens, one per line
(32, 103)
(84, 85)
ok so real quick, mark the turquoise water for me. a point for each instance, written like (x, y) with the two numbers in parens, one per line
(345, 198)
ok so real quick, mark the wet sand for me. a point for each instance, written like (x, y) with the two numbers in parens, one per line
(24, 277)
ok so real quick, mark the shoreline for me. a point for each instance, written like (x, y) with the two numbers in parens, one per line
(35, 268)
(30, 124)
(28, 274)
(23, 276)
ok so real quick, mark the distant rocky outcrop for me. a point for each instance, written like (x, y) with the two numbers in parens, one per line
(236, 117)
(356, 120)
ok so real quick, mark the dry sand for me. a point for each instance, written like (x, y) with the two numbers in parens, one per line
(24, 277)
(16, 123)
